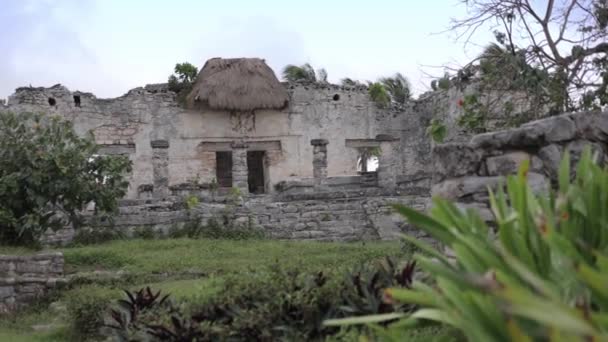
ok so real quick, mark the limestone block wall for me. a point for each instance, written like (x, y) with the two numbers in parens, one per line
(463, 171)
(364, 214)
(24, 279)
(130, 124)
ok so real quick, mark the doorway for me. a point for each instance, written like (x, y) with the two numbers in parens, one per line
(255, 168)
(223, 169)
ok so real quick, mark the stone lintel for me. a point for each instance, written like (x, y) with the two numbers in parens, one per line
(159, 143)
(385, 137)
(319, 142)
(239, 144)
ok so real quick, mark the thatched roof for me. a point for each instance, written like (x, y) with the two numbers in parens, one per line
(237, 84)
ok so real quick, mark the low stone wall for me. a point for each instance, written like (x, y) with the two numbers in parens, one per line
(463, 171)
(331, 219)
(24, 279)
(365, 214)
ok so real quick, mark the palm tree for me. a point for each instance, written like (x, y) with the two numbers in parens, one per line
(304, 72)
(398, 87)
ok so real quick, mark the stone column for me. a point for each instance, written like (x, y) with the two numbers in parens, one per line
(160, 167)
(319, 161)
(387, 161)
(240, 172)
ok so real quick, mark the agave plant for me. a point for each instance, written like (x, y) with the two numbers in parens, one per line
(541, 274)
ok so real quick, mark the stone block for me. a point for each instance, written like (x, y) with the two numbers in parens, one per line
(551, 156)
(456, 188)
(454, 160)
(482, 210)
(591, 125)
(6, 292)
(506, 164)
(560, 128)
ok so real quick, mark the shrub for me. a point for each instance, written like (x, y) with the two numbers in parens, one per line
(276, 304)
(475, 114)
(182, 80)
(541, 276)
(48, 174)
(437, 130)
(87, 308)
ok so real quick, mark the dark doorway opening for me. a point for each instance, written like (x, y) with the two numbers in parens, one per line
(223, 169)
(255, 168)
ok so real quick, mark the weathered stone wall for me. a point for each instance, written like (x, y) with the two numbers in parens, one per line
(446, 106)
(24, 279)
(463, 171)
(128, 125)
(337, 216)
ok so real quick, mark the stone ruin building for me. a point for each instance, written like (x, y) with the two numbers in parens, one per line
(294, 151)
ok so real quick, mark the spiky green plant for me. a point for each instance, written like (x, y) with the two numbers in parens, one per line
(541, 276)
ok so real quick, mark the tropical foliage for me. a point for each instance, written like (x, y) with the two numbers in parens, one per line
(398, 88)
(437, 130)
(48, 174)
(379, 94)
(182, 80)
(556, 51)
(304, 73)
(540, 276)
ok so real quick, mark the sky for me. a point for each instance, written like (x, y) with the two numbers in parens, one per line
(110, 46)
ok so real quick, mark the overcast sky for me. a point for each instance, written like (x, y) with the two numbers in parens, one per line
(110, 46)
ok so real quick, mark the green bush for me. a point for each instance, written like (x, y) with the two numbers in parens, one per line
(437, 130)
(540, 276)
(277, 303)
(48, 174)
(475, 114)
(87, 308)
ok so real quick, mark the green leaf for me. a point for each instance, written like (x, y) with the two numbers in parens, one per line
(363, 319)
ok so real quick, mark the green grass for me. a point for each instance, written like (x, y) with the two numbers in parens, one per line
(173, 258)
(222, 256)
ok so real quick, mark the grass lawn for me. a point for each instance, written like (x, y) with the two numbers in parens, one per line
(188, 269)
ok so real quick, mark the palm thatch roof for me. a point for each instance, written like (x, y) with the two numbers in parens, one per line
(237, 84)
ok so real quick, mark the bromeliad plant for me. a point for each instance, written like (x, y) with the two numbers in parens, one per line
(542, 274)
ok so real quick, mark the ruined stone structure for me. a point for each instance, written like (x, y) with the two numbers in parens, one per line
(175, 149)
(464, 171)
(24, 279)
(290, 152)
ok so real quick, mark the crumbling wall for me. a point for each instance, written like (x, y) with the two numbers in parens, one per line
(24, 279)
(462, 172)
(446, 105)
(128, 124)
